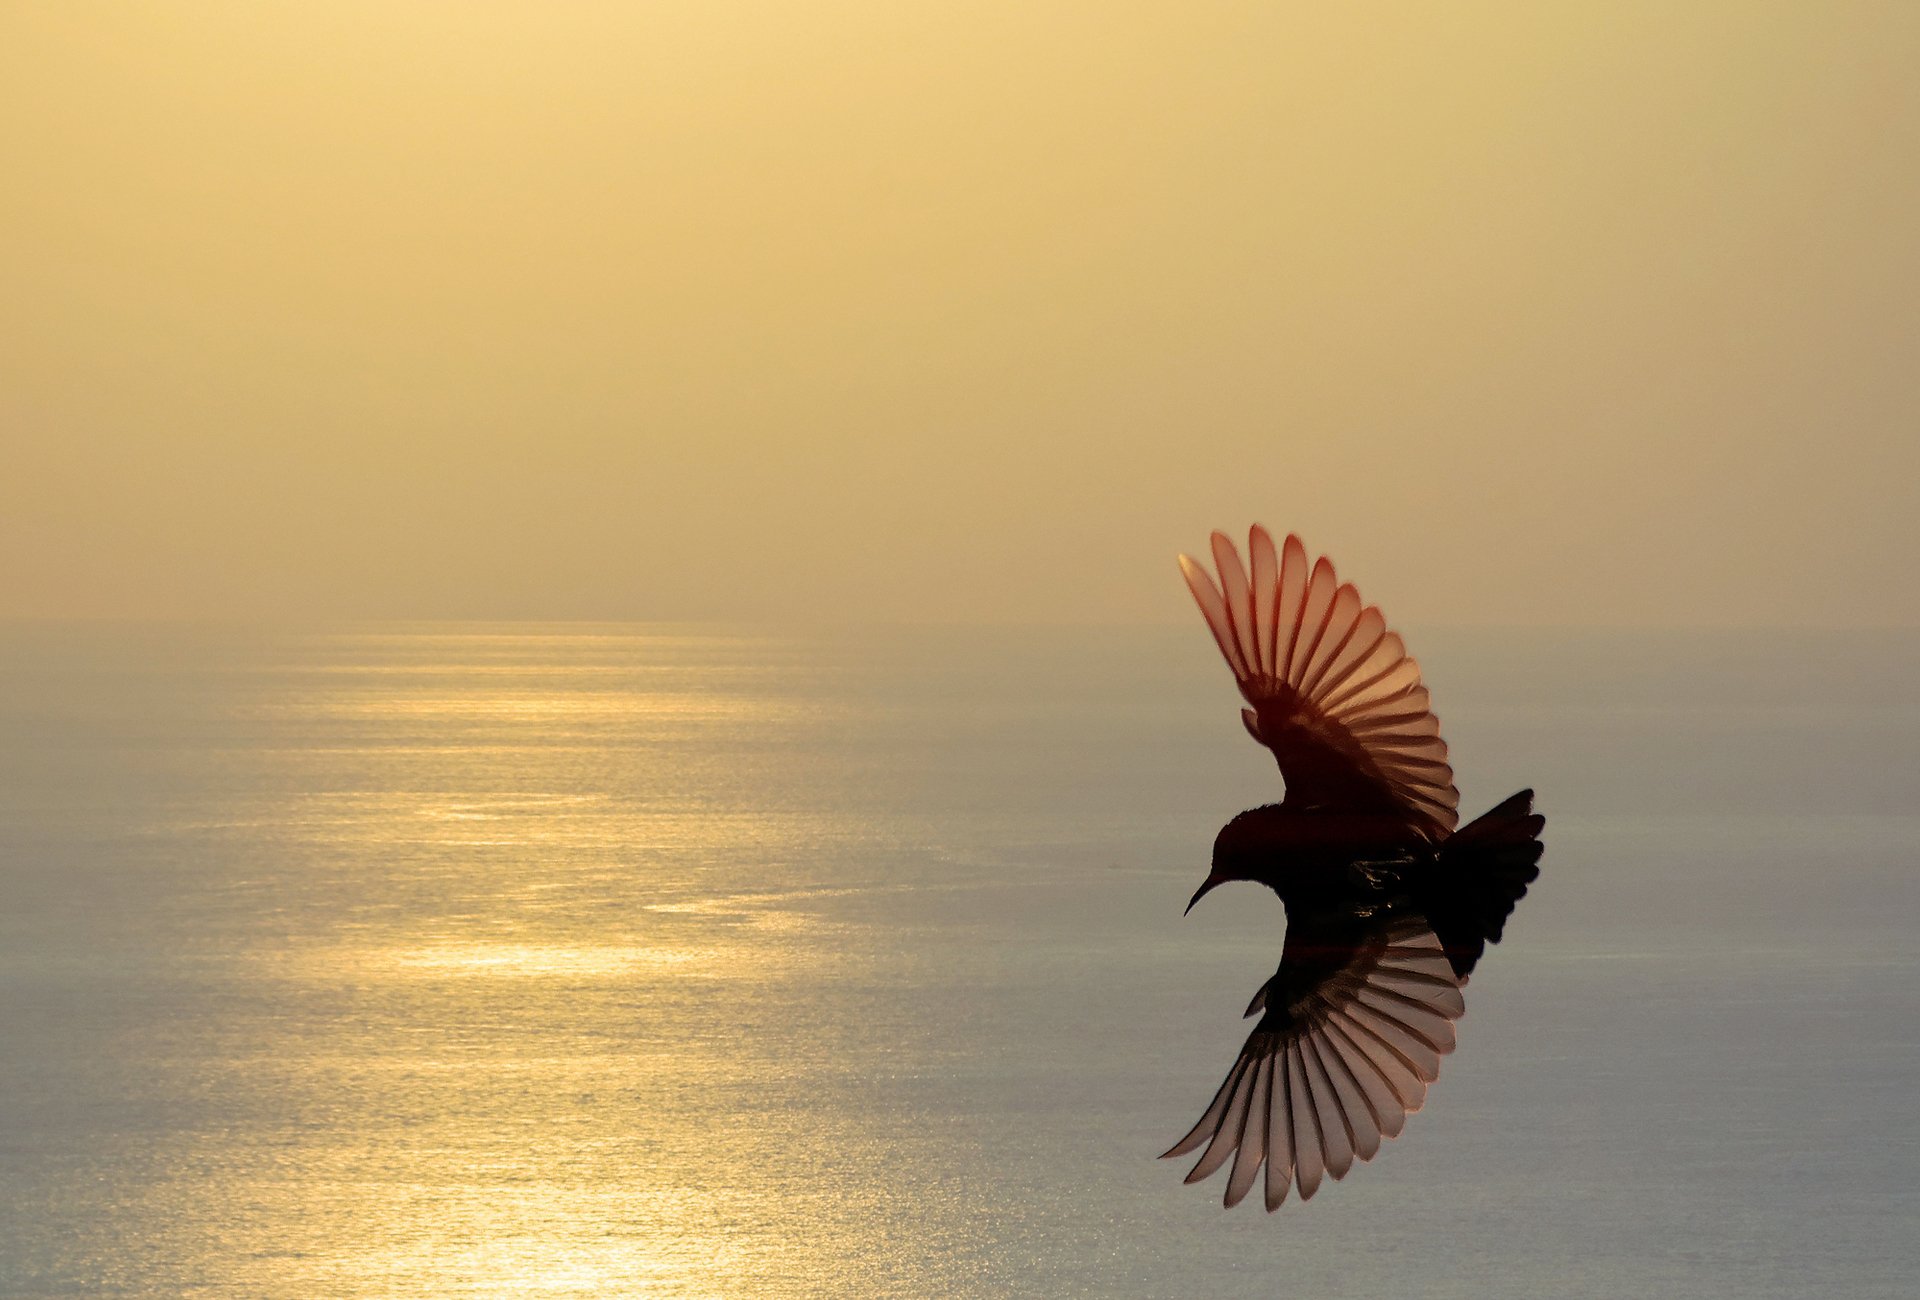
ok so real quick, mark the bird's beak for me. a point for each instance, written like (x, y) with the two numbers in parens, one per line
(1215, 879)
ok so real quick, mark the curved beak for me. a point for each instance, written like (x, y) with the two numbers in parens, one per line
(1215, 879)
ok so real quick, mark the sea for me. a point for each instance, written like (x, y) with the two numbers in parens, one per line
(600, 960)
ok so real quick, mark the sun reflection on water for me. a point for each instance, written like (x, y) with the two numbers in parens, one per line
(511, 999)
(534, 960)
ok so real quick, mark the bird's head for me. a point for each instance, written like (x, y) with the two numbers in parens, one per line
(1236, 854)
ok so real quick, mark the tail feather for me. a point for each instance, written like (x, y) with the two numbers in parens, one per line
(1482, 871)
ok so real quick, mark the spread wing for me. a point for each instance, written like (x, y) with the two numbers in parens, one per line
(1356, 1021)
(1334, 694)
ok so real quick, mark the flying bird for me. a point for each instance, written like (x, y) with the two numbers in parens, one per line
(1388, 906)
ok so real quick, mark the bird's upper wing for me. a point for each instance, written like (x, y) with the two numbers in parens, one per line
(1334, 694)
(1356, 1021)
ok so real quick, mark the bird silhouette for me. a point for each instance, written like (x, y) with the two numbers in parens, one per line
(1388, 907)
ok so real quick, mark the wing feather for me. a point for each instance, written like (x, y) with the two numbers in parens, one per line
(1238, 597)
(1383, 1098)
(1293, 591)
(1210, 1121)
(1214, 609)
(1336, 1130)
(1314, 613)
(1369, 627)
(1279, 1143)
(1232, 1125)
(1253, 1136)
(1266, 596)
(1309, 1165)
(1342, 621)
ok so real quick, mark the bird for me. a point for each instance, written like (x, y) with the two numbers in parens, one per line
(1389, 903)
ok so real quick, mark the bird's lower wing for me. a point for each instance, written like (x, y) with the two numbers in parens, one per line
(1342, 1056)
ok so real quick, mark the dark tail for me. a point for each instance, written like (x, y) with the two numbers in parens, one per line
(1480, 873)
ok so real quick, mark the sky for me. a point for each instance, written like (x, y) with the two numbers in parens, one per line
(1526, 314)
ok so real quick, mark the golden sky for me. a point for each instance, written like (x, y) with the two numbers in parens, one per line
(1526, 313)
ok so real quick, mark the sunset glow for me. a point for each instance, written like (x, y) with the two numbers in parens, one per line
(854, 310)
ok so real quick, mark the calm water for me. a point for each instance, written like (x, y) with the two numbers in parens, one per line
(628, 960)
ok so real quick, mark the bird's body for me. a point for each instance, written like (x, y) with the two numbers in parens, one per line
(1315, 858)
(1388, 908)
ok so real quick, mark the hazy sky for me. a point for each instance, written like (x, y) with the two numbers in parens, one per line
(1525, 312)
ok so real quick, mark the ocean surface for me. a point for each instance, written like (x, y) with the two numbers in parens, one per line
(607, 960)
